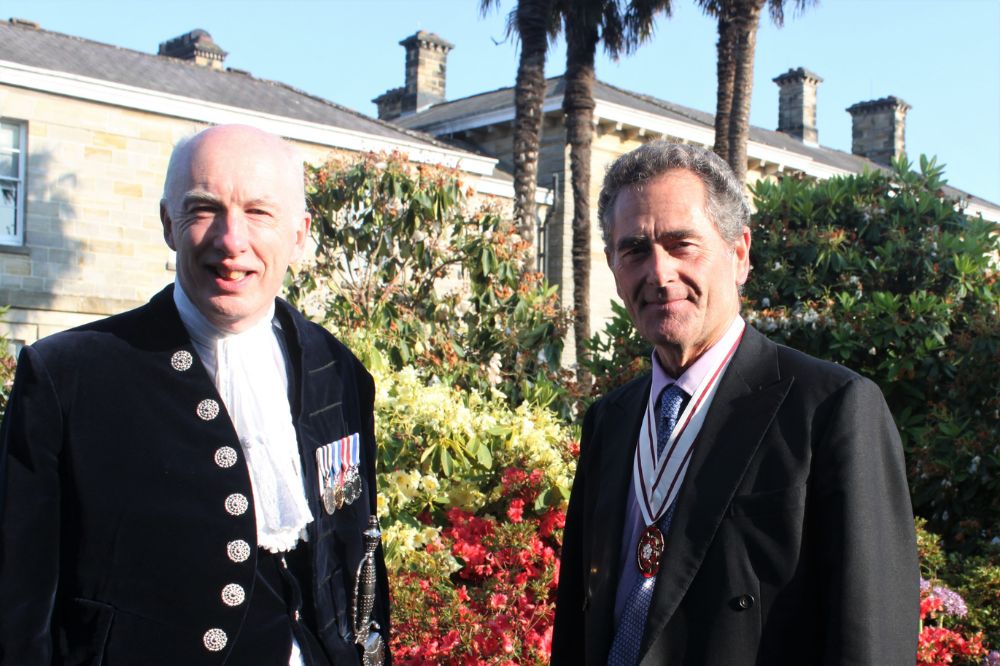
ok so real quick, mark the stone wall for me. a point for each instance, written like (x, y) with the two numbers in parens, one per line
(93, 244)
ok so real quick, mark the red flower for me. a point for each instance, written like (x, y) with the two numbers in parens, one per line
(929, 606)
(552, 520)
(516, 510)
(937, 646)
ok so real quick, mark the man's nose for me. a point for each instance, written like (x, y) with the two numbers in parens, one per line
(662, 268)
(231, 233)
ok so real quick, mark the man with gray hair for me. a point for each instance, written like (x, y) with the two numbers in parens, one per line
(744, 503)
(193, 482)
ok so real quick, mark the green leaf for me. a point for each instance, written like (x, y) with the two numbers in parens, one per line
(484, 457)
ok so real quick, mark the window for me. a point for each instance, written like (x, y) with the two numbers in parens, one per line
(12, 144)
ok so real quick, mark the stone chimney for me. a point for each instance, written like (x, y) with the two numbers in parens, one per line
(879, 129)
(390, 104)
(196, 46)
(426, 63)
(797, 104)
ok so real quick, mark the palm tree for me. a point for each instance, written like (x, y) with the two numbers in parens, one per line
(534, 22)
(725, 68)
(738, 21)
(621, 26)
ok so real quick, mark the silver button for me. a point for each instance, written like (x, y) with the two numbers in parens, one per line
(181, 361)
(226, 456)
(237, 504)
(215, 639)
(208, 409)
(238, 550)
(233, 594)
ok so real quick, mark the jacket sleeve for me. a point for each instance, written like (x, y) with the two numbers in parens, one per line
(866, 545)
(568, 645)
(30, 496)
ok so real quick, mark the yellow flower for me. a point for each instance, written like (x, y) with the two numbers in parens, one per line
(429, 484)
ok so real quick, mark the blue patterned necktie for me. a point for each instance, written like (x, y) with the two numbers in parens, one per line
(628, 636)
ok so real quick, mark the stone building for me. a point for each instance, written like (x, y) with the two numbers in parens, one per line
(86, 130)
(625, 119)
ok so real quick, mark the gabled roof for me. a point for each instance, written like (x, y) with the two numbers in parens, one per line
(499, 104)
(645, 111)
(27, 45)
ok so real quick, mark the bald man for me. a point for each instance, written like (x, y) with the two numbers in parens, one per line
(193, 482)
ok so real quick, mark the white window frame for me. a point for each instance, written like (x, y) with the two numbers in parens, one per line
(17, 238)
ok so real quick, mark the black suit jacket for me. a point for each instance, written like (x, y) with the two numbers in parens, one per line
(792, 541)
(119, 525)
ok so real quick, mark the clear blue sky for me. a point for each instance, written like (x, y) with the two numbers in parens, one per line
(942, 57)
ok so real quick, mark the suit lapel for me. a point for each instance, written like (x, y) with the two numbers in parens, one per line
(316, 398)
(612, 474)
(744, 406)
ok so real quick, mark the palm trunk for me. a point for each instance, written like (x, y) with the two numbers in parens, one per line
(747, 20)
(529, 95)
(578, 106)
(725, 73)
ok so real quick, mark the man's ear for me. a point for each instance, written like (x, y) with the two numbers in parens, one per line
(301, 237)
(168, 226)
(741, 257)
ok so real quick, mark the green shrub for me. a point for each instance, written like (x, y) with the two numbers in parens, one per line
(885, 274)
(617, 353)
(402, 251)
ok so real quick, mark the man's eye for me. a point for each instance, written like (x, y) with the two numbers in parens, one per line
(635, 252)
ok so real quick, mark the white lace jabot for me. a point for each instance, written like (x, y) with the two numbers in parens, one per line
(250, 374)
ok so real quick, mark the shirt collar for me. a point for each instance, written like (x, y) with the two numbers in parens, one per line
(708, 361)
(202, 330)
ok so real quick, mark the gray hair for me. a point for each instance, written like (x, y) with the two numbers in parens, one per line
(725, 203)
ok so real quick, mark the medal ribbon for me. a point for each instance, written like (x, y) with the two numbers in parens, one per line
(336, 454)
(325, 463)
(656, 480)
(355, 449)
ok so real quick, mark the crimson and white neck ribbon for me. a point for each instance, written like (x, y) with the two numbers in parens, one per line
(657, 479)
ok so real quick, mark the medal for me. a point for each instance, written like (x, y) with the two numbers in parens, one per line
(338, 492)
(337, 470)
(350, 480)
(352, 485)
(329, 501)
(326, 462)
(649, 551)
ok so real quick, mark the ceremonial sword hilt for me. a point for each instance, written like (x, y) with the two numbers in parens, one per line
(366, 630)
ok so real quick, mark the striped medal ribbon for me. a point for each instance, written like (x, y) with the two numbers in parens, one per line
(657, 478)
